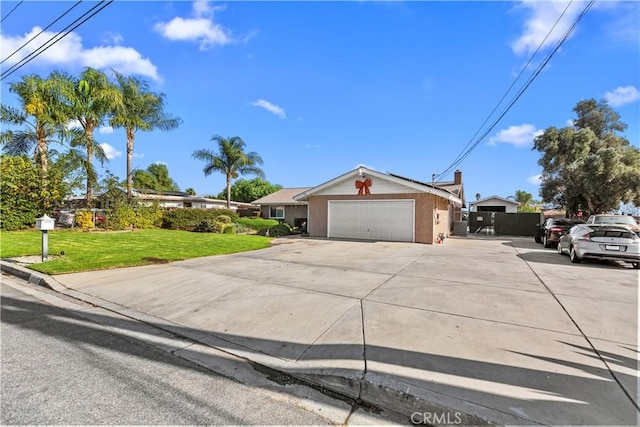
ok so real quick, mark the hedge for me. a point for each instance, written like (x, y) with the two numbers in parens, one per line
(192, 218)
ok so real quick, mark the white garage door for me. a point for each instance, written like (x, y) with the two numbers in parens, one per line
(372, 219)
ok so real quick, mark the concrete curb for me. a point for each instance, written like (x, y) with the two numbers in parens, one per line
(419, 405)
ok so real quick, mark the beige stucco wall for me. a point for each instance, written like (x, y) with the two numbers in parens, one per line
(427, 205)
(291, 212)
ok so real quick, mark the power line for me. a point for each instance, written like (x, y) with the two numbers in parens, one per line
(448, 170)
(41, 31)
(464, 154)
(57, 38)
(11, 11)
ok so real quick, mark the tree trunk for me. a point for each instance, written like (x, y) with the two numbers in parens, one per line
(228, 191)
(89, 136)
(129, 164)
(44, 163)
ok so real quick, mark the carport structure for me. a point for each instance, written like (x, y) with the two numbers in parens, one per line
(365, 204)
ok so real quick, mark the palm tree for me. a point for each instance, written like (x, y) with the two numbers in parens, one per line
(142, 110)
(231, 160)
(524, 198)
(89, 100)
(39, 113)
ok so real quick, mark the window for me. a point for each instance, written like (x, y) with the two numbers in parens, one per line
(276, 212)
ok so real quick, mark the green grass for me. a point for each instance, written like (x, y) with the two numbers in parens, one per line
(101, 250)
(257, 223)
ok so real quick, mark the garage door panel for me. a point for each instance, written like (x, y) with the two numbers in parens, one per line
(372, 220)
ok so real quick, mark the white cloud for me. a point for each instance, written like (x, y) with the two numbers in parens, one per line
(70, 51)
(270, 107)
(110, 151)
(535, 179)
(543, 15)
(570, 122)
(622, 95)
(111, 38)
(200, 28)
(106, 130)
(138, 155)
(519, 136)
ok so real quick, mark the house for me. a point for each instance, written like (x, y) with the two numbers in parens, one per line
(371, 205)
(281, 206)
(178, 199)
(494, 204)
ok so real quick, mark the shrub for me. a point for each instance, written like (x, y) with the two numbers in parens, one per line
(84, 220)
(229, 229)
(209, 226)
(190, 218)
(282, 229)
(260, 225)
(225, 219)
(130, 216)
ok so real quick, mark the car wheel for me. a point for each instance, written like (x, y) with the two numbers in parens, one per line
(537, 239)
(545, 241)
(573, 256)
(636, 265)
(559, 249)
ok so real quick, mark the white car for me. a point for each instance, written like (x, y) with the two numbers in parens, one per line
(623, 220)
(608, 242)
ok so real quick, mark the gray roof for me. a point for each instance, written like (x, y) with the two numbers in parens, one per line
(282, 197)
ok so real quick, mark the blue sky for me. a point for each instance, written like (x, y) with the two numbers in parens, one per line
(317, 88)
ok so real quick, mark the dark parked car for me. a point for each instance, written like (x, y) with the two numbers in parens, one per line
(608, 242)
(550, 231)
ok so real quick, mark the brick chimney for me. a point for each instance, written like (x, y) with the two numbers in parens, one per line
(457, 177)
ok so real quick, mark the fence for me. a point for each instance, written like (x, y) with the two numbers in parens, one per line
(505, 224)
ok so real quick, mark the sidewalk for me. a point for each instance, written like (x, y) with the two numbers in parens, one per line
(469, 332)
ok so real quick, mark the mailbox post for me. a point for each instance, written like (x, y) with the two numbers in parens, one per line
(45, 224)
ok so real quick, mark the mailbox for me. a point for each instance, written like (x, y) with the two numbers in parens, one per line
(45, 223)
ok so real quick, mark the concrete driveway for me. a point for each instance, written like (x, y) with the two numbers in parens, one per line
(482, 329)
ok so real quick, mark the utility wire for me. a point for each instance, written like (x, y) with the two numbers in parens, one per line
(464, 154)
(448, 170)
(41, 31)
(11, 11)
(57, 38)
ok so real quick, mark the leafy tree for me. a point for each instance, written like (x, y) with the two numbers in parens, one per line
(190, 191)
(88, 99)
(244, 190)
(113, 193)
(230, 159)
(478, 197)
(155, 177)
(21, 195)
(589, 166)
(40, 120)
(142, 110)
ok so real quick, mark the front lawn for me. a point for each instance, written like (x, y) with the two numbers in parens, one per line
(85, 251)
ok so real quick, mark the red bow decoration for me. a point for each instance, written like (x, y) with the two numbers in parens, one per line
(363, 187)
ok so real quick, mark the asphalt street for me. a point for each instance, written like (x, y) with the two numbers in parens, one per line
(58, 368)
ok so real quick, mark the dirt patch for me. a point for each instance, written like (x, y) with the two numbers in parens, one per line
(30, 259)
(153, 260)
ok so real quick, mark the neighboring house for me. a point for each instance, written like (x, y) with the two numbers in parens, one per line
(494, 204)
(457, 189)
(281, 206)
(178, 199)
(371, 205)
(554, 213)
